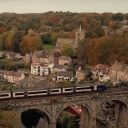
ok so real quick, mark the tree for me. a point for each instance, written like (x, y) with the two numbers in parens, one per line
(94, 29)
(118, 16)
(81, 50)
(31, 43)
(9, 39)
(46, 38)
(2, 40)
(67, 120)
(17, 38)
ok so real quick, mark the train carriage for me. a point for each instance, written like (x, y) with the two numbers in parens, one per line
(31, 93)
(52, 91)
(5, 95)
(84, 89)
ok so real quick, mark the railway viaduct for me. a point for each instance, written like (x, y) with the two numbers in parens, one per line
(110, 107)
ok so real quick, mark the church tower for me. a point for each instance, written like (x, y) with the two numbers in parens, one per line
(79, 35)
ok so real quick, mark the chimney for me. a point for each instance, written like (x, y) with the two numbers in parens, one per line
(79, 68)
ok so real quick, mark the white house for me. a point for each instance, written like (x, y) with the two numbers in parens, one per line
(64, 76)
(41, 69)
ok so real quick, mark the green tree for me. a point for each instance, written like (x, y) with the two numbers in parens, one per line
(17, 38)
(94, 29)
(118, 16)
(67, 120)
(9, 39)
(46, 38)
(2, 40)
(81, 50)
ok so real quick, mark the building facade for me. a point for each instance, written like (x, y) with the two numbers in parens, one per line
(80, 75)
(12, 77)
(119, 72)
(41, 69)
(65, 60)
(64, 76)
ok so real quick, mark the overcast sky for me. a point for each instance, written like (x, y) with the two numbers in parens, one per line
(39, 6)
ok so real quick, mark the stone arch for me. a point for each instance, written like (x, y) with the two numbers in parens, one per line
(119, 100)
(86, 105)
(40, 108)
(34, 115)
(115, 111)
(85, 109)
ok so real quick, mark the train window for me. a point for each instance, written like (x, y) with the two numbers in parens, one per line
(19, 93)
(54, 90)
(31, 92)
(35, 92)
(4, 95)
(43, 91)
(79, 88)
(68, 89)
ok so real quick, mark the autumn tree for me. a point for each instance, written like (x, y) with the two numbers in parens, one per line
(2, 28)
(31, 43)
(107, 49)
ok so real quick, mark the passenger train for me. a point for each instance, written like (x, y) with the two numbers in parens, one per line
(52, 91)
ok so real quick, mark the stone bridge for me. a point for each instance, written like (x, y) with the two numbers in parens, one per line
(110, 108)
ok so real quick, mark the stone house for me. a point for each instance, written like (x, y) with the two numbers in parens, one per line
(64, 76)
(44, 60)
(11, 76)
(119, 72)
(101, 72)
(65, 60)
(27, 58)
(42, 56)
(53, 59)
(80, 74)
(106, 29)
(10, 55)
(18, 56)
(37, 55)
(123, 22)
(2, 53)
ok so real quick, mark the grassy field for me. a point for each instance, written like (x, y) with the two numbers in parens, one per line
(48, 47)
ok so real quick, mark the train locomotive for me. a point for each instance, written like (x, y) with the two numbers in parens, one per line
(52, 91)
